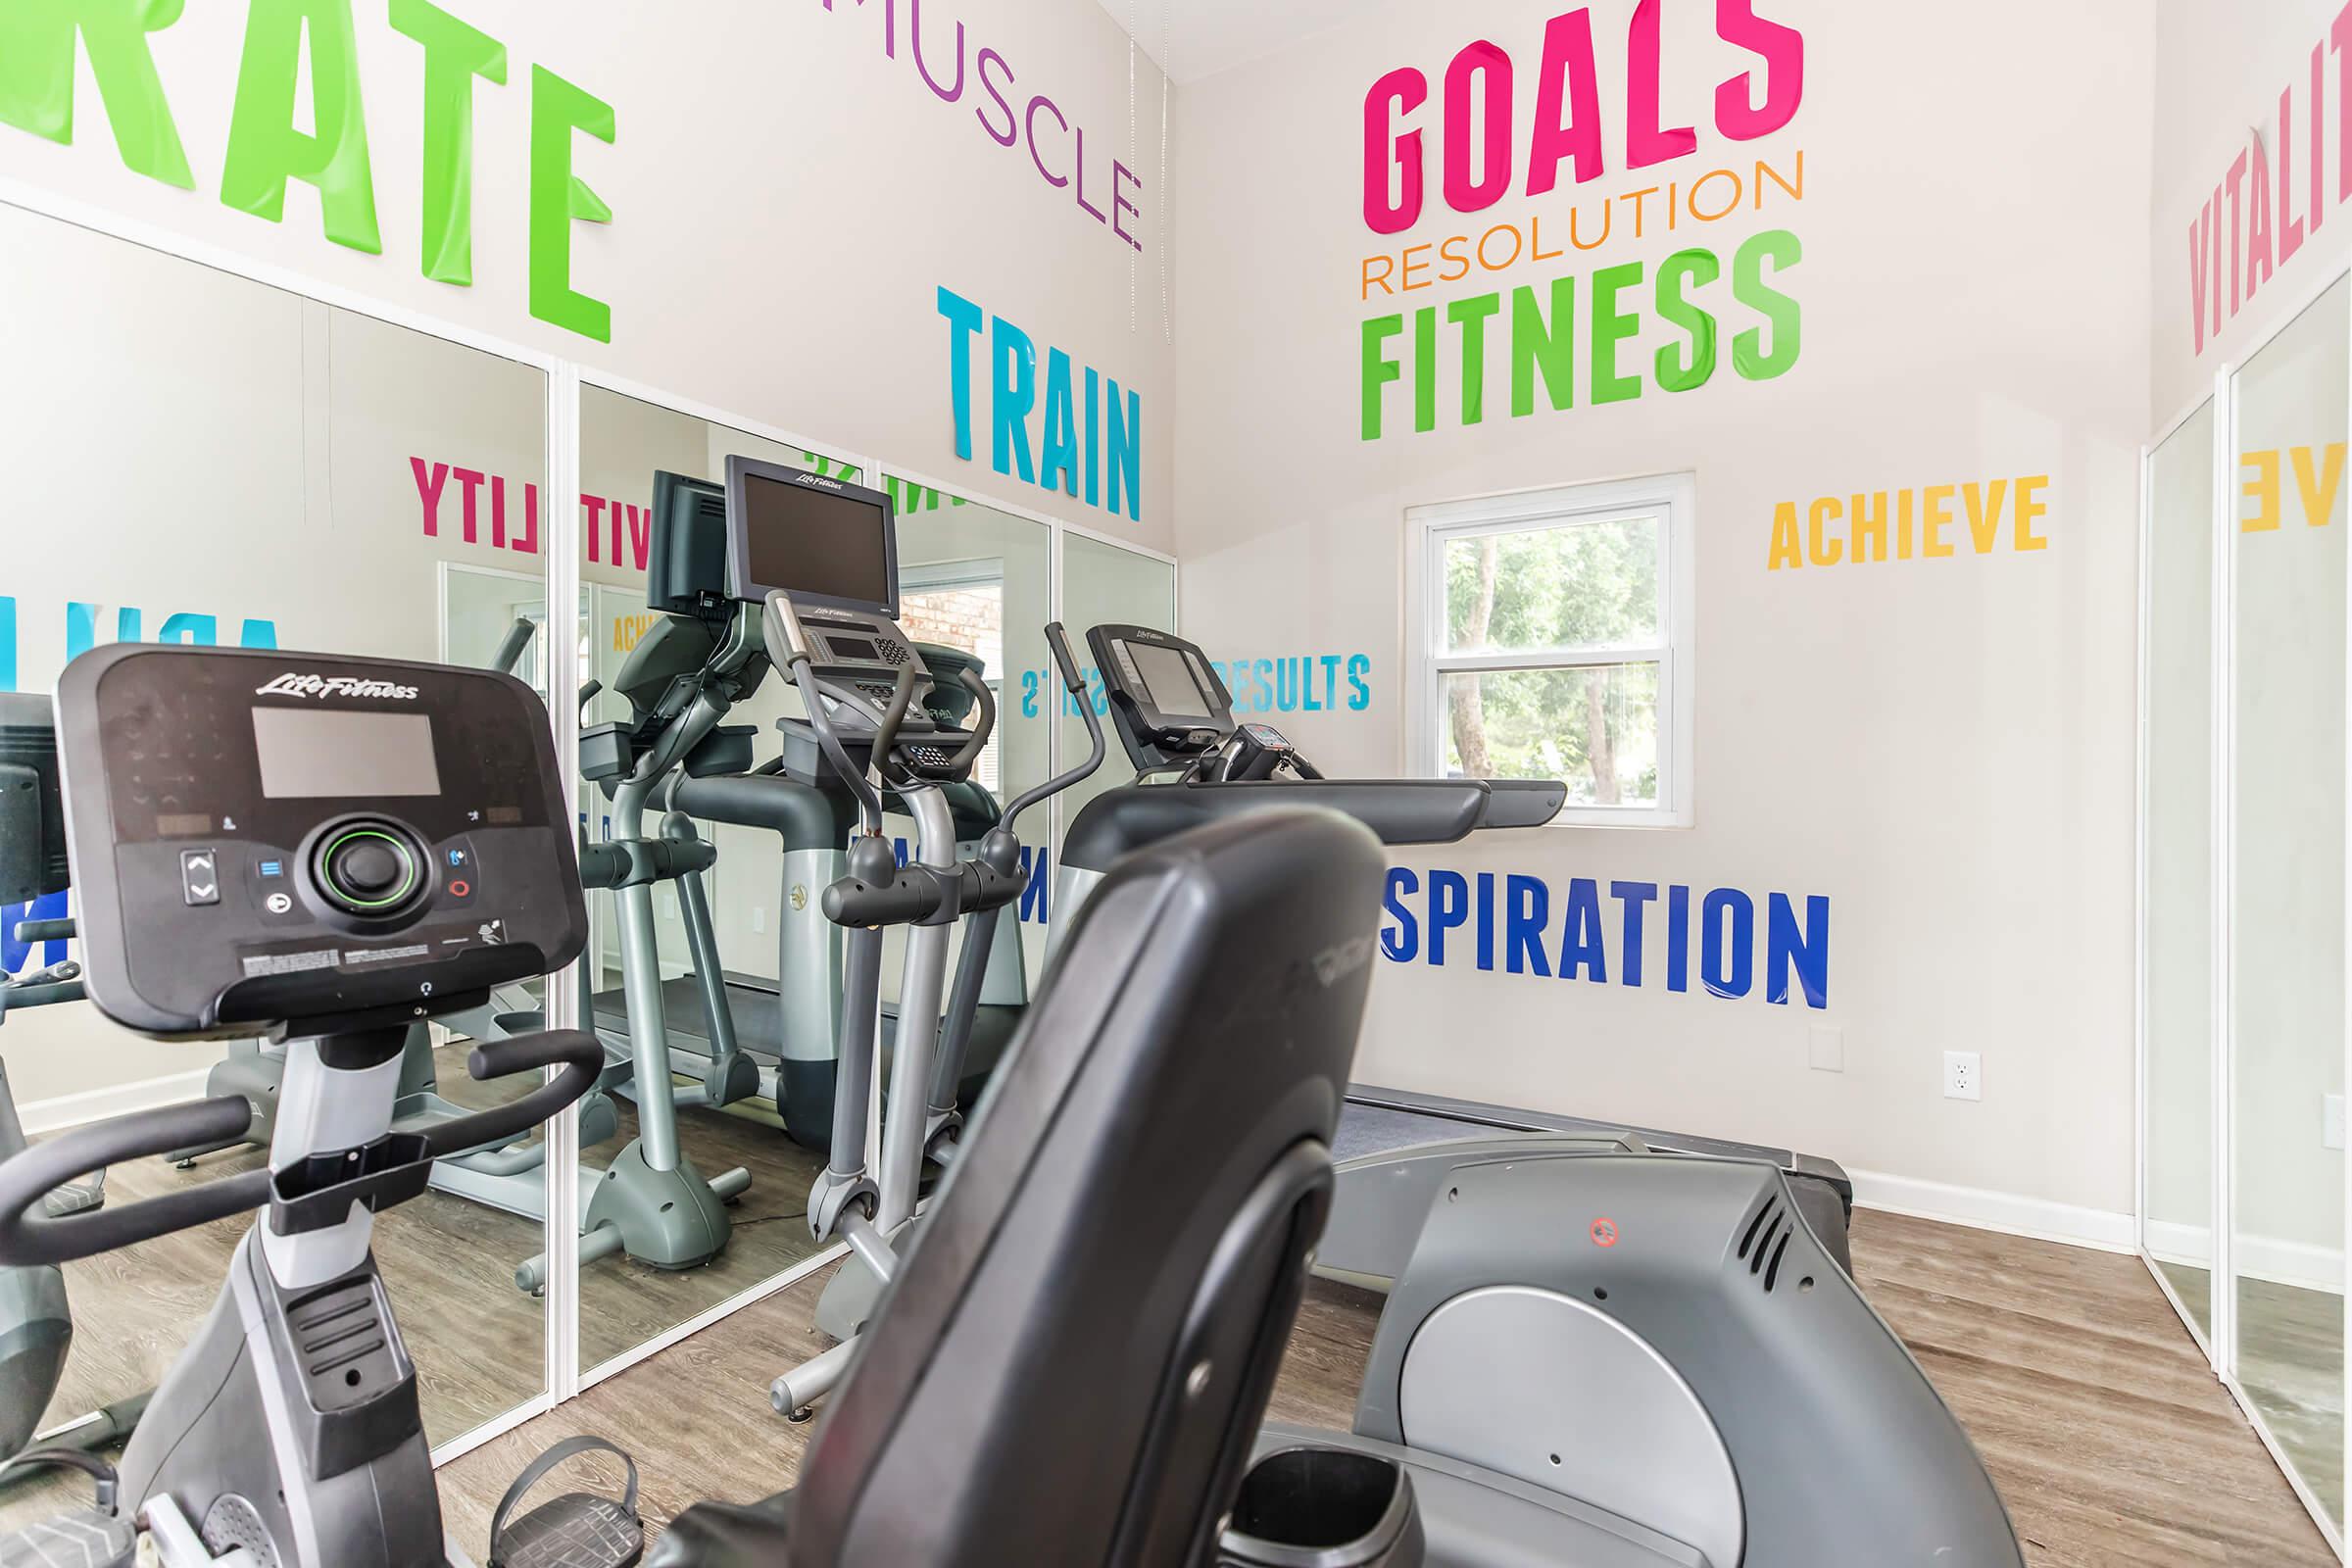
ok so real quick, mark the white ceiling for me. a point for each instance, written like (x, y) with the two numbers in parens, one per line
(1195, 38)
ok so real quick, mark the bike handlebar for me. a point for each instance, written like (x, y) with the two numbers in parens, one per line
(31, 1237)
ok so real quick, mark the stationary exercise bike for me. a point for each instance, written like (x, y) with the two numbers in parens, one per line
(1073, 1365)
(287, 1434)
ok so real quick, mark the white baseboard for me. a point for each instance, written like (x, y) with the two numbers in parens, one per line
(62, 1111)
(2303, 1265)
(2039, 1218)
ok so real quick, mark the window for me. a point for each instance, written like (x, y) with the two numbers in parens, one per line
(1551, 638)
(960, 604)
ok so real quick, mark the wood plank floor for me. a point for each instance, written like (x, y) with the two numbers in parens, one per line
(2291, 1359)
(476, 1339)
(2102, 1426)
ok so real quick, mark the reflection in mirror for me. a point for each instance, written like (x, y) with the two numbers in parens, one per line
(1101, 583)
(2286, 990)
(696, 1187)
(980, 582)
(336, 483)
(2177, 909)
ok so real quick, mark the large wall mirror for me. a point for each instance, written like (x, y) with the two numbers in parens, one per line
(691, 1119)
(2287, 891)
(2178, 968)
(2243, 891)
(199, 458)
(1104, 582)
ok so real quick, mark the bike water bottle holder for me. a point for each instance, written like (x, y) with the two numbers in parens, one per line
(315, 1192)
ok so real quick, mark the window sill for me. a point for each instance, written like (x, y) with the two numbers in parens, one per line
(1571, 817)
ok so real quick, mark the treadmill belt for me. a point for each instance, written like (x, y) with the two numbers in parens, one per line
(1377, 1129)
(756, 1009)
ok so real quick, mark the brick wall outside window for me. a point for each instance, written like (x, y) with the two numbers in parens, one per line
(972, 620)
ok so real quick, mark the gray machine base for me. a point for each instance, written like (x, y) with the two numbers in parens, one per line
(850, 1297)
(670, 1219)
(1474, 1518)
(249, 1371)
(1394, 1148)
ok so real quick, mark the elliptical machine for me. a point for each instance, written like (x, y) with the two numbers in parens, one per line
(936, 889)
(287, 1433)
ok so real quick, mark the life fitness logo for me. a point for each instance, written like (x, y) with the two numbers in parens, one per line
(308, 686)
(819, 483)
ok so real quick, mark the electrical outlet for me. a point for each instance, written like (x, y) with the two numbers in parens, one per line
(1829, 1048)
(759, 918)
(1963, 1075)
(2331, 1121)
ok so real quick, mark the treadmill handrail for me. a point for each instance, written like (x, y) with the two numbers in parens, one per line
(1398, 812)
(1523, 802)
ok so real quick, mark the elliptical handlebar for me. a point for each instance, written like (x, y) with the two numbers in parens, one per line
(788, 648)
(986, 702)
(1075, 682)
(893, 713)
(514, 645)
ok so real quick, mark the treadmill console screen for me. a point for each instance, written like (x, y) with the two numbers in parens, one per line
(1168, 683)
(1167, 700)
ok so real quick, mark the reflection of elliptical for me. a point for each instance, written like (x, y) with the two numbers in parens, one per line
(36, 1322)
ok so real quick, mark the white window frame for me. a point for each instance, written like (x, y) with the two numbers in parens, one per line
(1429, 529)
(947, 576)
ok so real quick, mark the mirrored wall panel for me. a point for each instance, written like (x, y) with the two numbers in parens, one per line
(2287, 891)
(2178, 968)
(199, 459)
(976, 585)
(1103, 583)
(711, 983)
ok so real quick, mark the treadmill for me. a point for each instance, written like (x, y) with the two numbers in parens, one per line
(1195, 764)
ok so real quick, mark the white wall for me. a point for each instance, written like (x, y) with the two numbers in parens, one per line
(1941, 748)
(195, 444)
(2221, 71)
(787, 198)
(781, 185)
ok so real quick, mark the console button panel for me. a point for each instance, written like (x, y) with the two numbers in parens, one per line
(262, 835)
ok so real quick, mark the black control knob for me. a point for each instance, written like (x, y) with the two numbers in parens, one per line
(370, 868)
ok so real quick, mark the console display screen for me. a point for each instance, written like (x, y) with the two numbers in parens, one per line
(806, 542)
(317, 753)
(1169, 684)
(841, 647)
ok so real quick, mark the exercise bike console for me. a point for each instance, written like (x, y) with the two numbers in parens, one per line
(264, 836)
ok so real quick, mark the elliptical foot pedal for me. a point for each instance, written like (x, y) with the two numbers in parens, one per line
(577, 1530)
(96, 1537)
